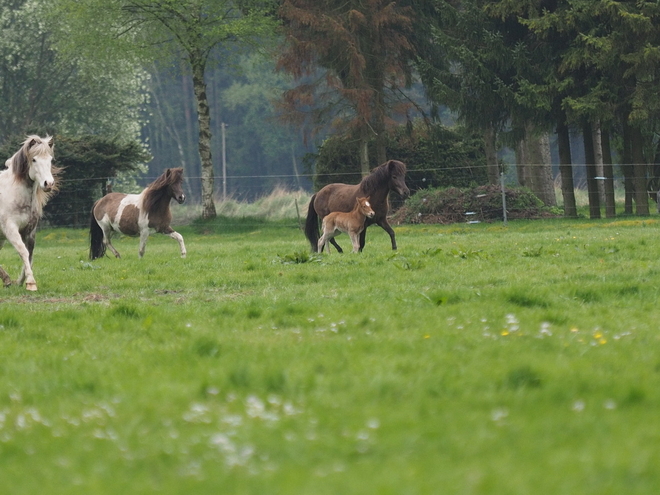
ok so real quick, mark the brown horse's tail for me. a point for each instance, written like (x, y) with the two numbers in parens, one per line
(312, 226)
(96, 244)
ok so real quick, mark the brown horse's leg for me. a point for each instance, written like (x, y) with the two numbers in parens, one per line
(386, 226)
(363, 237)
(334, 243)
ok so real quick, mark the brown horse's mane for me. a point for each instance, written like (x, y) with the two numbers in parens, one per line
(155, 191)
(374, 181)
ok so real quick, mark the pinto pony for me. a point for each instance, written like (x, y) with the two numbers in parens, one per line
(25, 187)
(135, 214)
(351, 223)
(390, 176)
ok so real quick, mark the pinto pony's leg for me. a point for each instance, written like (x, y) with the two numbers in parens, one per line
(179, 238)
(14, 237)
(144, 235)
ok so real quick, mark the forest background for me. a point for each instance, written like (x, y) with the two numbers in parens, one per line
(266, 83)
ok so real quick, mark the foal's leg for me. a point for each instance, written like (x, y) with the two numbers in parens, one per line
(14, 237)
(355, 239)
(323, 242)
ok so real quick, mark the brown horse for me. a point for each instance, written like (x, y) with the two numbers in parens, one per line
(390, 176)
(135, 214)
(351, 223)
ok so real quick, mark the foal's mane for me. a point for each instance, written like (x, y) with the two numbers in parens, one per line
(380, 176)
(158, 188)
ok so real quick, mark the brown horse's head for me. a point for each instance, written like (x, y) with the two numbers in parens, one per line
(397, 182)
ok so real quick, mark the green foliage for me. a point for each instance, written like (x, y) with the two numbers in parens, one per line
(436, 156)
(43, 86)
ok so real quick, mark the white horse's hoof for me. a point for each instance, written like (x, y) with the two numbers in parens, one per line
(31, 286)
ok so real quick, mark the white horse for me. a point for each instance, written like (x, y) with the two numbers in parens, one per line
(25, 187)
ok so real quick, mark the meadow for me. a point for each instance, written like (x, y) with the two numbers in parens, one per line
(481, 359)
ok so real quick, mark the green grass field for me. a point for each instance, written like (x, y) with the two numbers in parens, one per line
(476, 359)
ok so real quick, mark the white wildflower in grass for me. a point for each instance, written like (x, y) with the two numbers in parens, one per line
(609, 404)
(373, 423)
(578, 406)
(499, 414)
(545, 330)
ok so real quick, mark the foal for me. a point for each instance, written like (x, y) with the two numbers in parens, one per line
(351, 223)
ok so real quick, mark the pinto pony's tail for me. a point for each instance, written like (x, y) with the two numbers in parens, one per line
(312, 226)
(96, 244)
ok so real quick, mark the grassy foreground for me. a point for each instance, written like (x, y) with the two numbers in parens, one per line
(476, 359)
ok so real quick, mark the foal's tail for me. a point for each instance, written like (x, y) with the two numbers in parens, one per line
(96, 244)
(312, 225)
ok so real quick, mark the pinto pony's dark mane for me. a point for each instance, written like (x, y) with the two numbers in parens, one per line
(381, 174)
(158, 188)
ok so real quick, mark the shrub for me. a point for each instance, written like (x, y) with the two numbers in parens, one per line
(450, 205)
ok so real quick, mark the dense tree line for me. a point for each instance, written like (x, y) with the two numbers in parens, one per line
(180, 75)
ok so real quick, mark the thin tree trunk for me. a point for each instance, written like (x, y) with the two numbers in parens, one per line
(364, 151)
(592, 183)
(627, 169)
(204, 118)
(598, 157)
(639, 172)
(522, 168)
(608, 173)
(544, 180)
(490, 148)
(295, 166)
(566, 170)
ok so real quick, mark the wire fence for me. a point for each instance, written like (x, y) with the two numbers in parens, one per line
(246, 189)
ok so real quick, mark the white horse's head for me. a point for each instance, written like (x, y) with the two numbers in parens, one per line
(39, 161)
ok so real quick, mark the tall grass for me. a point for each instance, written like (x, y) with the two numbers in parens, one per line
(280, 204)
(475, 359)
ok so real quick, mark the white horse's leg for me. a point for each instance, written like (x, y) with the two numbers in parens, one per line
(179, 238)
(28, 240)
(14, 237)
(6, 279)
(144, 235)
